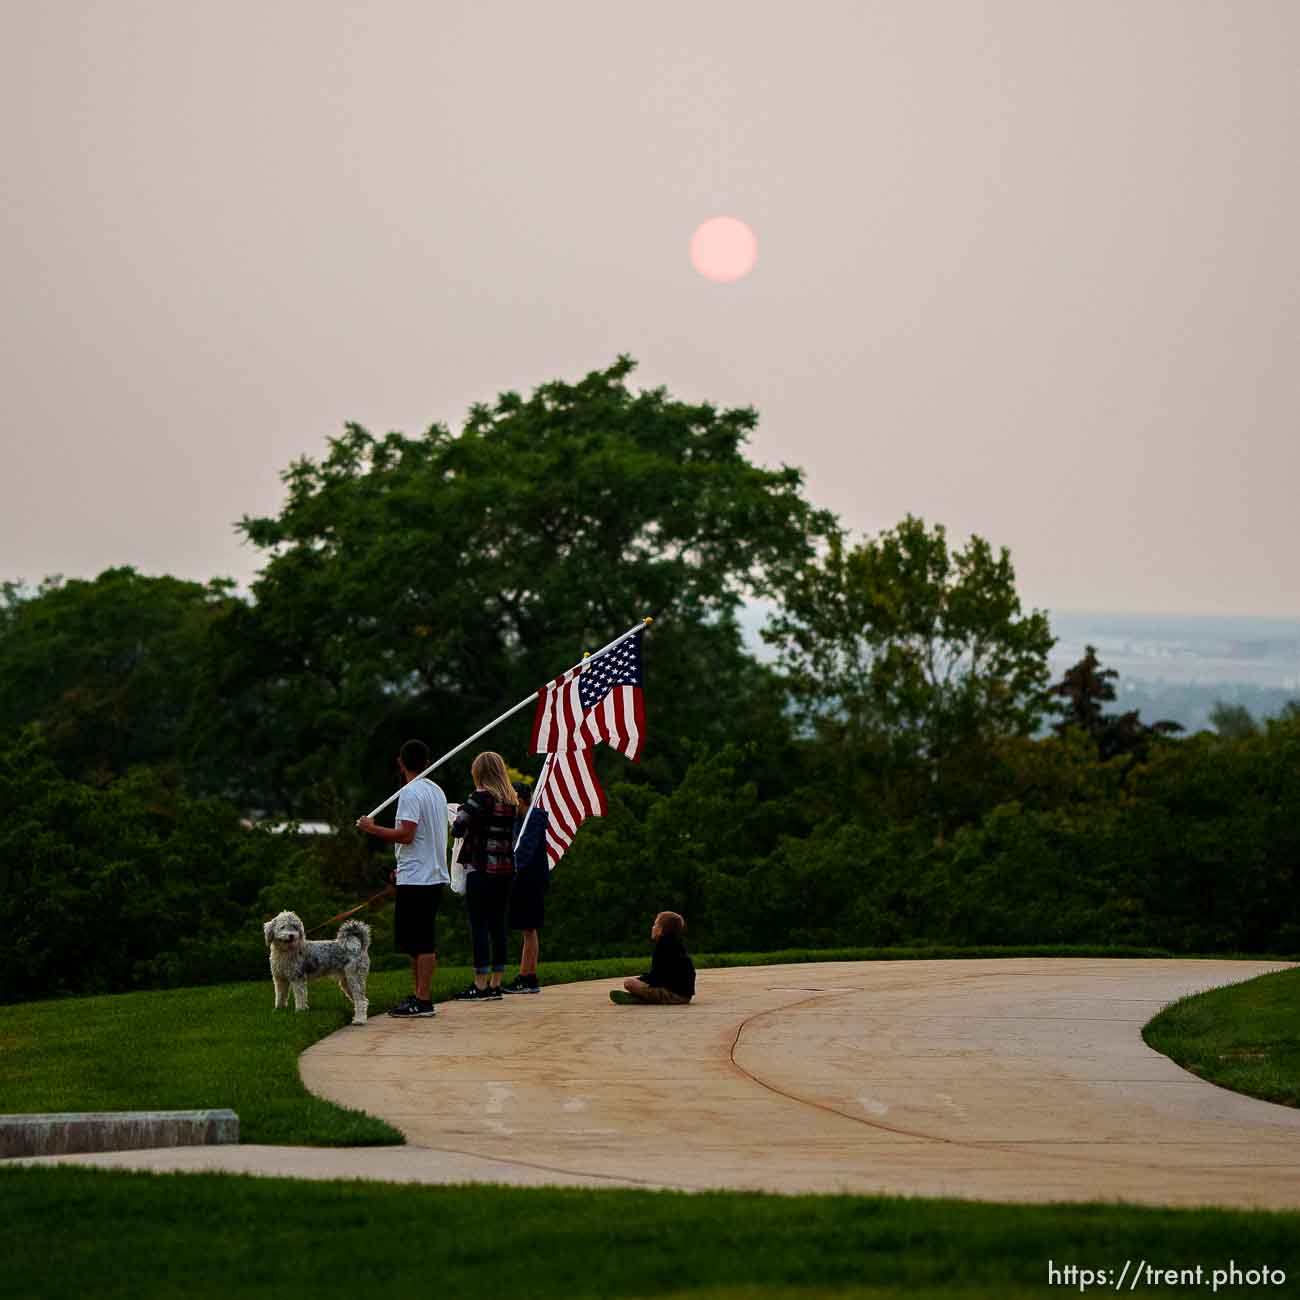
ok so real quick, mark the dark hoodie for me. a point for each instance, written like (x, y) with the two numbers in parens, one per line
(671, 967)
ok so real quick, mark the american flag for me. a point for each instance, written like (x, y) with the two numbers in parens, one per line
(569, 792)
(598, 700)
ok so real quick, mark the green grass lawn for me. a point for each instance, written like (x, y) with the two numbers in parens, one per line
(68, 1232)
(1245, 1037)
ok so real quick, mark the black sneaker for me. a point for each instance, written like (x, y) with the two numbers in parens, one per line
(493, 991)
(520, 986)
(476, 994)
(413, 1007)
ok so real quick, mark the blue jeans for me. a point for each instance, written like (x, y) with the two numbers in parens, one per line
(487, 897)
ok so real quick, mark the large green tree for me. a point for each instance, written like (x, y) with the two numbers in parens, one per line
(904, 637)
(911, 661)
(110, 667)
(418, 585)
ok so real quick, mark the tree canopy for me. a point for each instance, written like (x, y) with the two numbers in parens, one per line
(109, 667)
(903, 635)
(415, 585)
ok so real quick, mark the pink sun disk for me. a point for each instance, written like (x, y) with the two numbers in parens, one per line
(723, 249)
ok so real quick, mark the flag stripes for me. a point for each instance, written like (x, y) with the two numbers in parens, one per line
(559, 715)
(570, 793)
(619, 719)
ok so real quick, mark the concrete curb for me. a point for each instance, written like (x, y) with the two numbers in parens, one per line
(120, 1130)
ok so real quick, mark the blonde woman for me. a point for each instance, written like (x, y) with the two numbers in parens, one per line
(487, 822)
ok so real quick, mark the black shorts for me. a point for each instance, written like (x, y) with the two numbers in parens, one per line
(415, 917)
(528, 900)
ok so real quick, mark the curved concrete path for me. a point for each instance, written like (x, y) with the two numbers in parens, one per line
(1011, 1080)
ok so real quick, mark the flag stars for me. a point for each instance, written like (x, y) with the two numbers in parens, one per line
(621, 667)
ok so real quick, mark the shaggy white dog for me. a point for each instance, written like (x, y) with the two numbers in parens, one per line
(295, 959)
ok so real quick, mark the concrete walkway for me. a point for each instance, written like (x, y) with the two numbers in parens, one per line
(1010, 1080)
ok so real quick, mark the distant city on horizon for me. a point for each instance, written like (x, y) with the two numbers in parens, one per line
(1177, 667)
(1173, 667)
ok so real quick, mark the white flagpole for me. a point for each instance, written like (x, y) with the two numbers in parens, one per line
(533, 798)
(527, 700)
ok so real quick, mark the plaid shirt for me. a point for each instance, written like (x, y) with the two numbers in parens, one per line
(489, 830)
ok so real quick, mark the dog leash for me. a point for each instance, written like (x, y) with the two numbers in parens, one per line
(386, 892)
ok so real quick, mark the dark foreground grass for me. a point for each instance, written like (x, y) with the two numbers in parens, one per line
(1245, 1037)
(67, 1232)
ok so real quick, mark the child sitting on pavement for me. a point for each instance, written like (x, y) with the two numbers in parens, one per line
(670, 980)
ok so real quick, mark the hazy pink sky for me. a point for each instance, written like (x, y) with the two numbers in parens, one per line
(1026, 268)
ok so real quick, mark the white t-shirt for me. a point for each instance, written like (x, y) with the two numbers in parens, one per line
(424, 860)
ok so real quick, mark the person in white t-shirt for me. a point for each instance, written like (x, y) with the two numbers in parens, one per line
(421, 872)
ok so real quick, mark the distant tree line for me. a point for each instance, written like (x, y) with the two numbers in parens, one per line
(887, 779)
